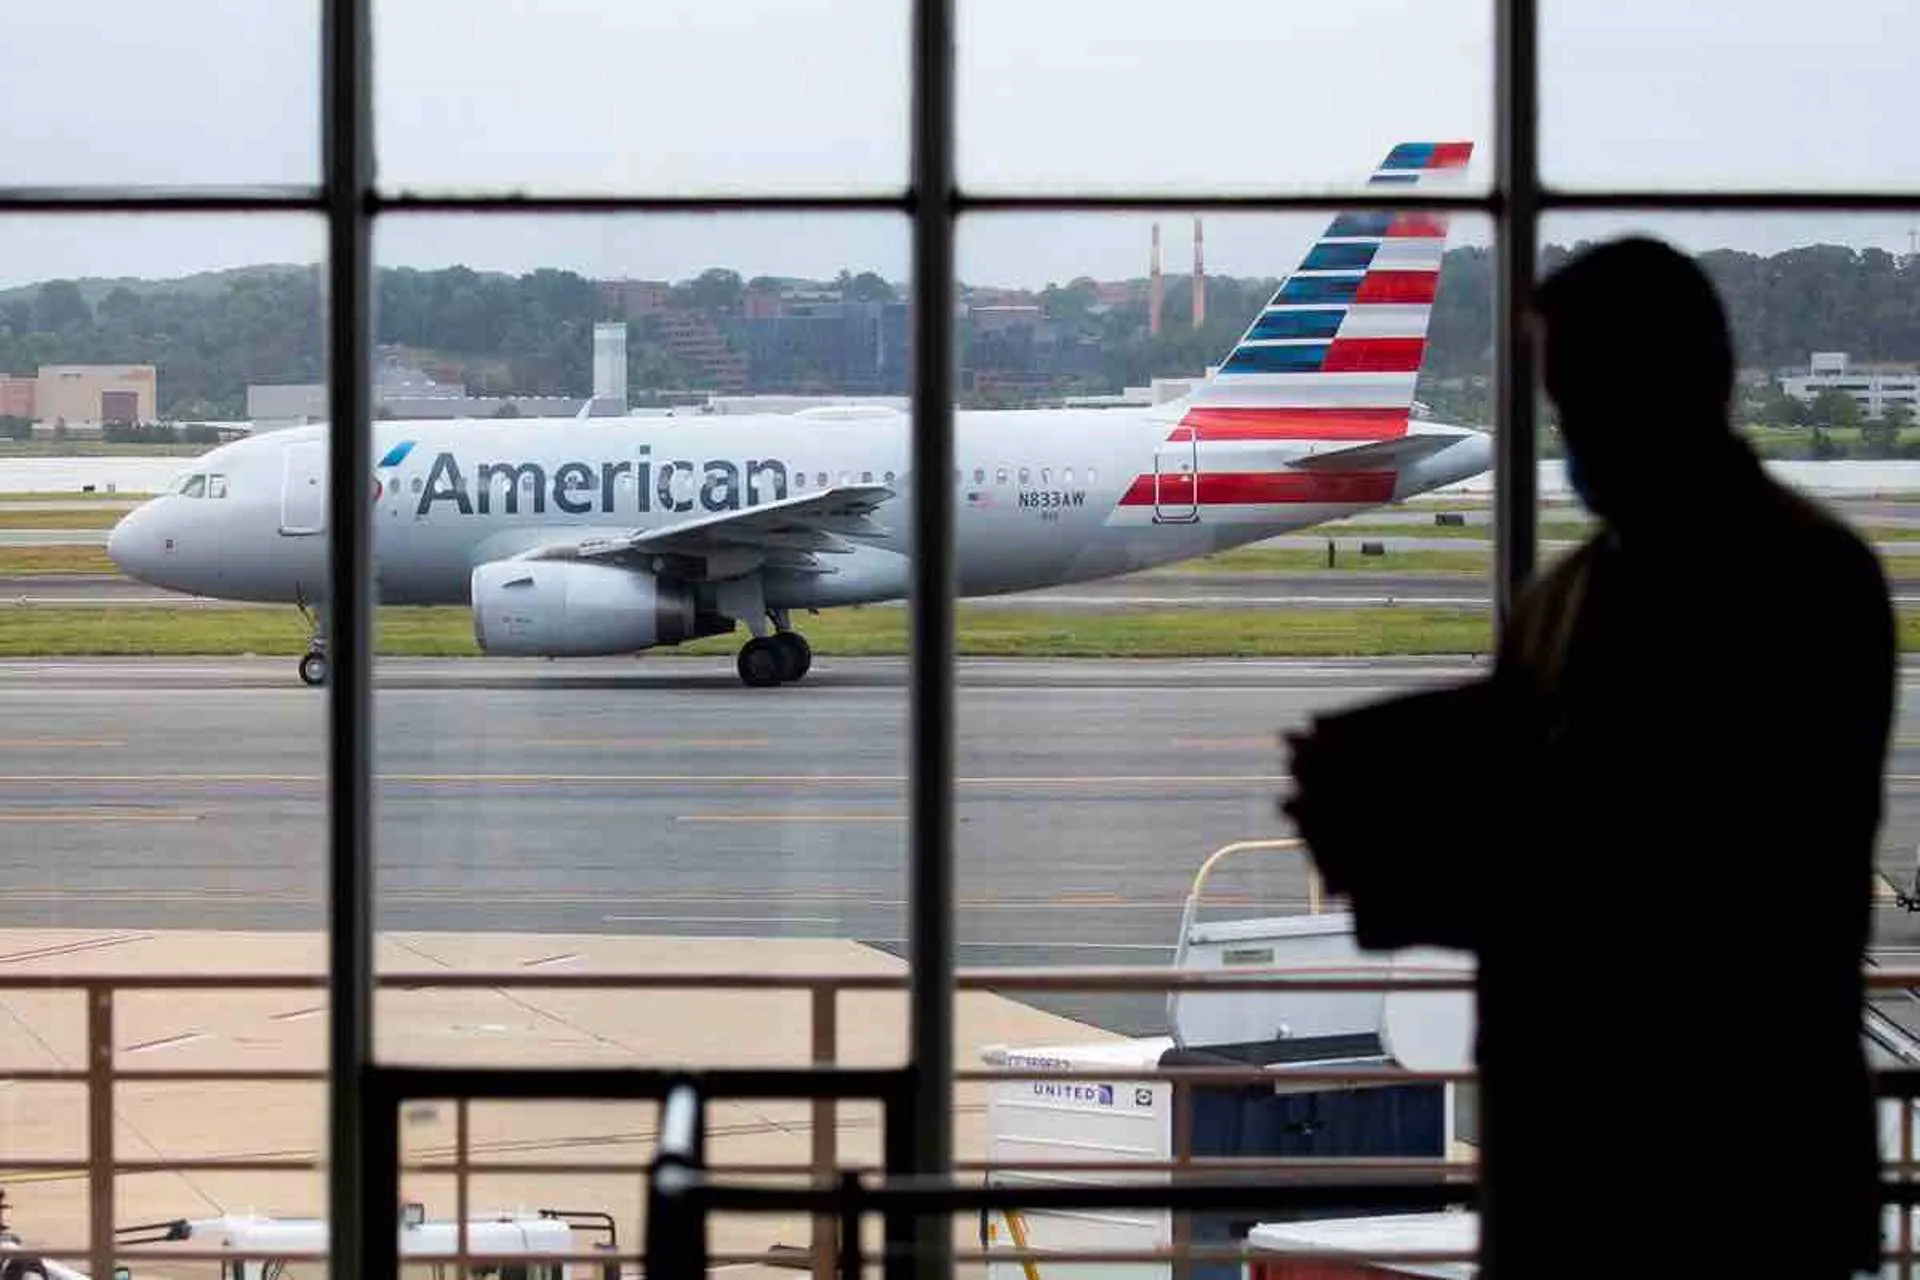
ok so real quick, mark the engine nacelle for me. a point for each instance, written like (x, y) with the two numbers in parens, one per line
(575, 609)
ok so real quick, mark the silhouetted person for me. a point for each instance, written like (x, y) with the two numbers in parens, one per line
(1653, 823)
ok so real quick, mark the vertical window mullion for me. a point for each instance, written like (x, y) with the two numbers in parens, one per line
(354, 1120)
(931, 700)
(1516, 235)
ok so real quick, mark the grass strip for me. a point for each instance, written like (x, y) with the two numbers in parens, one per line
(100, 518)
(448, 632)
(876, 632)
(27, 562)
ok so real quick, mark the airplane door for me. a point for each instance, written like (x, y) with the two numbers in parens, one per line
(303, 489)
(1176, 478)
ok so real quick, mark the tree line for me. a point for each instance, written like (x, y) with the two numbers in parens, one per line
(532, 334)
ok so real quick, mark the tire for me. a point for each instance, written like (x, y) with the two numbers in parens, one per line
(314, 669)
(796, 655)
(760, 664)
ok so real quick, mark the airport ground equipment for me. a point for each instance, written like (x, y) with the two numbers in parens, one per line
(1131, 1118)
(263, 1247)
(1370, 1241)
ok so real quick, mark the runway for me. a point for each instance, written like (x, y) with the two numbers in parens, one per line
(658, 796)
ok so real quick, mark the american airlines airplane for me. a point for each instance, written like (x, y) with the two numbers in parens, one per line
(611, 536)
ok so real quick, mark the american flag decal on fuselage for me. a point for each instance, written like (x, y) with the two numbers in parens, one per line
(1330, 362)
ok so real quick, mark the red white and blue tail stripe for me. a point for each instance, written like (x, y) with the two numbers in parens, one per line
(1335, 354)
(1332, 359)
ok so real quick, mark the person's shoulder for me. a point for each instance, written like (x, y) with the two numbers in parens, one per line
(1831, 557)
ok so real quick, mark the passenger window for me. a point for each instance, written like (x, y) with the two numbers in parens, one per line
(823, 479)
(1046, 477)
(1093, 477)
(979, 475)
(1066, 475)
(846, 477)
(1025, 475)
(888, 477)
(216, 486)
(195, 487)
(417, 486)
(866, 477)
(799, 479)
(999, 475)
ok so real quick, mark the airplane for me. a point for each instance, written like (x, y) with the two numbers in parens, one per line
(612, 536)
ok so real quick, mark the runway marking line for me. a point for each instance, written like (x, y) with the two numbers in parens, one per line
(657, 779)
(58, 744)
(90, 815)
(791, 817)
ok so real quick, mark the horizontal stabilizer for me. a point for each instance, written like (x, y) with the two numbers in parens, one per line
(1379, 455)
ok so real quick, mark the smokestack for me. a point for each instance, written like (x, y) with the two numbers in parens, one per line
(610, 366)
(1155, 289)
(1199, 277)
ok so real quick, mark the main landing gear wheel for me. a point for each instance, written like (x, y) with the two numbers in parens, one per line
(761, 663)
(314, 668)
(796, 655)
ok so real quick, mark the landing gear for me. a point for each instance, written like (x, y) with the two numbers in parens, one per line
(314, 667)
(796, 655)
(761, 662)
(780, 658)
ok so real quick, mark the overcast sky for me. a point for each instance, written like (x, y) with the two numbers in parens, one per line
(811, 95)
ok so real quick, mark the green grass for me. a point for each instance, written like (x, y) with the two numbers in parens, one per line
(1549, 531)
(101, 518)
(98, 449)
(25, 562)
(1154, 633)
(127, 496)
(1268, 560)
(1147, 633)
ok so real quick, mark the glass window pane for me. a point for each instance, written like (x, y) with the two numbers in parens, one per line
(578, 781)
(1136, 591)
(188, 93)
(1721, 93)
(163, 795)
(674, 97)
(1113, 95)
(1825, 342)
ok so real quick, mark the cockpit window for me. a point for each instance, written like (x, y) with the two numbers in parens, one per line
(195, 486)
(216, 486)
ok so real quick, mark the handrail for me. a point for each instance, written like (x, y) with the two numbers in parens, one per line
(103, 1072)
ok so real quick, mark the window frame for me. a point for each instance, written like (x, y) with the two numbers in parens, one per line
(349, 200)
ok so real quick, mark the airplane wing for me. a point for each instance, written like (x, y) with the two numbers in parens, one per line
(791, 534)
(1380, 455)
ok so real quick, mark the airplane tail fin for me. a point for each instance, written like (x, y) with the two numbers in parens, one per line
(1336, 353)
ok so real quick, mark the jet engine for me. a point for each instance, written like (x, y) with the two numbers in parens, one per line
(575, 609)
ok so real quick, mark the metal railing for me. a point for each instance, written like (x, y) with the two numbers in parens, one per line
(836, 1192)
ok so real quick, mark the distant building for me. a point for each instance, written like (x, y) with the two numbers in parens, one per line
(1873, 387)
(776, 403)
(89, 396)
(859, 348)
(16, 396)
(995, 317)
(693, 339)
(402, 391)
(610, 367)
(635, 299)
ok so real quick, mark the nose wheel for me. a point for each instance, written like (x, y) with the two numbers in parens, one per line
(314, 667)
(781, 658)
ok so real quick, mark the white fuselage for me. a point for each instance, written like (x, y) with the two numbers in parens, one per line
(1042, 498)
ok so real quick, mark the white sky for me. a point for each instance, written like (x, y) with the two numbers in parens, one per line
(811, 95)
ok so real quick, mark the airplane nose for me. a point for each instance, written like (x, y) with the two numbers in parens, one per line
(131, 543)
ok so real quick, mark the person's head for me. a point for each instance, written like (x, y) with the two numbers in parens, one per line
(1637, 358)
